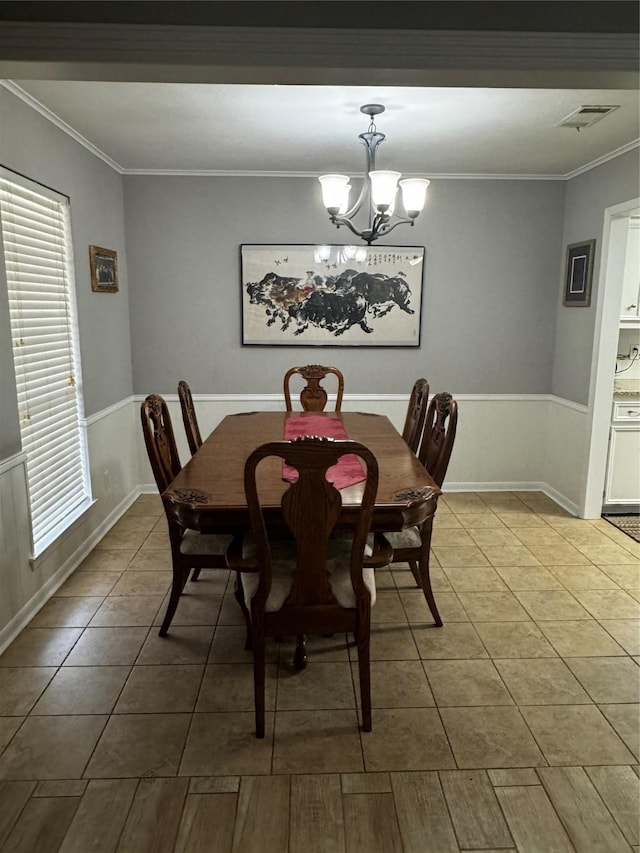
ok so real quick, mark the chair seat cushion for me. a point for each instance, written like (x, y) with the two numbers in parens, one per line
(283, 564)
(197, 543)
(409, 538)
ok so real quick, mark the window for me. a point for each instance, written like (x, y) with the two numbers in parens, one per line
(38, 255)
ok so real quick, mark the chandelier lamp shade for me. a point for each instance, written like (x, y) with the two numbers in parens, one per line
(378, 193)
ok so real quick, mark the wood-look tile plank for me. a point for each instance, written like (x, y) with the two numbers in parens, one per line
(619, 787)
(317, 822)
(154, 817)
(366, 783)
(532, 820)
(214, 785)
(513, 776)
(42, 825)
(585, 817)
(262, 818)
(474, 809)
(102, 812)
(371, 824)
(13, 797)
(207, 824)
(61, 788)
(422, 812)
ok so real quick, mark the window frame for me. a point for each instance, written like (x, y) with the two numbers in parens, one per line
(82, 497)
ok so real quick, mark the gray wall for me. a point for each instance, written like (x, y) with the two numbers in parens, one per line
(489, 299)
(588, 195)
(33, 146)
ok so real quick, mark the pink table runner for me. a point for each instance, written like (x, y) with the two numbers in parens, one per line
(347, 472)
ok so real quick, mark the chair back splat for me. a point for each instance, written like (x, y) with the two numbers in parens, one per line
(309, 580)
(160, 440)
(416, 411)
(438, 435)
(189, 419)
(313, 397)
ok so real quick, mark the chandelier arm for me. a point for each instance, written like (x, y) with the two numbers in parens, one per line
(385, 228)
(364, 193)
(370, 140)
(340, 219)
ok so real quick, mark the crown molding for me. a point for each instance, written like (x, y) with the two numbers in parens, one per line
(630, 146)
(59, 123)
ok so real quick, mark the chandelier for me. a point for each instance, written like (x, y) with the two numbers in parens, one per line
(378, 193)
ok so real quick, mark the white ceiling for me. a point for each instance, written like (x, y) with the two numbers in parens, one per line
(282, 129)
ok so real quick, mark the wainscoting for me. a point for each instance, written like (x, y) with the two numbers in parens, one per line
(114, 451)
(504, 443)
(527, 442)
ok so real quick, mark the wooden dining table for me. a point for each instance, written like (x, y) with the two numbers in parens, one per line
(208, 493)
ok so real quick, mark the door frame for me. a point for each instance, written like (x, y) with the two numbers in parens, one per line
(608, 302)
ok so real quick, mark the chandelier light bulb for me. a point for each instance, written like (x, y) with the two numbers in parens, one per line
(414, 193)
(335, 192)
(383, 189)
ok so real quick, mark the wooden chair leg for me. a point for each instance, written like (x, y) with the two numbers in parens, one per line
(364, 671)
(258, 679)
(239, 596)
(425, 579)
(179, 578)
(195, 574)
(415, 572)
(428, 594)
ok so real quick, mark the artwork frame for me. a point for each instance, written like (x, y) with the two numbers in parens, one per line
(331, 295)
(579, 274)
(104, 270)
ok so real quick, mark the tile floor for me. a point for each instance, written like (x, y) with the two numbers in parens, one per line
(513, 727)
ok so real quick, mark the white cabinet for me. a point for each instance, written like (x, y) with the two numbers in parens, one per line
(623, 468)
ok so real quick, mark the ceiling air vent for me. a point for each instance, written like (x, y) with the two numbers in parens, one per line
(586, 116)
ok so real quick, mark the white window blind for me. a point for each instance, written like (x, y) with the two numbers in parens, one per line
(37, 248)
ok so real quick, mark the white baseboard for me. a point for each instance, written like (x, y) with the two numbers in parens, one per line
(49, 588)
(561, 500)
(547, 490)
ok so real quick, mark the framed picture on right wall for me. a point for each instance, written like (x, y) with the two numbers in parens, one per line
(579, 273)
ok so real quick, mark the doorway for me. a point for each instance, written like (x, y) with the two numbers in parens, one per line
(608, 310)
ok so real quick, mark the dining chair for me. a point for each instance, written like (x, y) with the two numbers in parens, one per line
(416, 412)
(307, 581)
(189, 419)
(413, 545)
(313, 396)
(190, 549)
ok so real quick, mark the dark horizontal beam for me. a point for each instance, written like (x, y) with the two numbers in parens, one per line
(588, 16)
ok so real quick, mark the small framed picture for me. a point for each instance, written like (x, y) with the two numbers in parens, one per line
(104, 270)
(579, 272)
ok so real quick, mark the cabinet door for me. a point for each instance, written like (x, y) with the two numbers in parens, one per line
(623, 470)
(631, 276)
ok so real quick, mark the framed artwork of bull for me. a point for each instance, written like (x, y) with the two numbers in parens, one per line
(331, 295)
